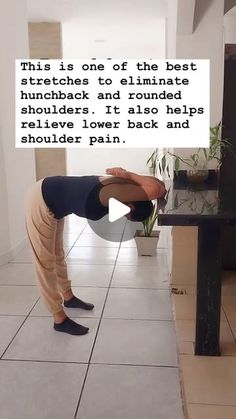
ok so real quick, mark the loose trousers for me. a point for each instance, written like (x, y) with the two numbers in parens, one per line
(45, 234)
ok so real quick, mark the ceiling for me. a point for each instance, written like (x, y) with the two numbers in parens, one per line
(65, 10)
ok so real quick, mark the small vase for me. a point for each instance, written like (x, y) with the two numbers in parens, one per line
(146, 245)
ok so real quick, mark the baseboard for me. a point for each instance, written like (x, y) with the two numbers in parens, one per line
(11, 254)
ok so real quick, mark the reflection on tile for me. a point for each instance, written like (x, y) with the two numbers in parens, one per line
(141, 277)
(196, 411)
(138, 304)
(74, 224)
(186, 348)
(185, 330)
(185, 307)
(111, 240)
(104, 228)
(183, 275)
(131, 242)
(91, 295)
(233, 328)
(129, 256)
(92, 255)
(137, 342)
(39, 390)
(37, 340)
(24, 256)
(17, 300)
(229, 306)
(128, 243)
(90, 275)
(17, 274)
(229, 283)
(69, 239)
(209, 380)
(185, 236)
(8, 326)
(130, 392)
(185, 256)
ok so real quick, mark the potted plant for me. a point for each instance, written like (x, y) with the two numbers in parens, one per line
(147, 239)
(198, 162)
(152, 162)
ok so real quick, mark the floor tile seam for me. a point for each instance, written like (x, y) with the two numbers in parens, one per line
(211, 404)
(122, 364)
(26, 317)
(97, 331)
(79, 234)
(228, 322)
(140, 265)
(93, 318)
(18, 285)
(77, 238)
(175, 367)
(13, 315)
(108, 264)
(141, 288)
(98, 247)
(86, 264)
(46, 361)
(21, 263)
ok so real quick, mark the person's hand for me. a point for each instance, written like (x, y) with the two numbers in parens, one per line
(116, 171)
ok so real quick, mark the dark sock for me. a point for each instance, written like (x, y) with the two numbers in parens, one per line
(69, 326)
(75, 302)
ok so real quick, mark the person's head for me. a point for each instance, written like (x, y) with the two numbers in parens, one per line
(140, 210)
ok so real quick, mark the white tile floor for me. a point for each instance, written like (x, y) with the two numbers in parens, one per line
(125, 368)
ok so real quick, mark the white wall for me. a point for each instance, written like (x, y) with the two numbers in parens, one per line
(207, 42)
(171, 28)
(124, 38)
(230, 29)
(16, 166)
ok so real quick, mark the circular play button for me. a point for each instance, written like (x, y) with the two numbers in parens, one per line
(116, 226)
(116, 210)
(120, 229)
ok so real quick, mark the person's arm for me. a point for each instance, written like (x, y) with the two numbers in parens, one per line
(148, 183)
(144, 187)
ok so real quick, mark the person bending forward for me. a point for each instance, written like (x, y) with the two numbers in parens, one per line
(53, 198)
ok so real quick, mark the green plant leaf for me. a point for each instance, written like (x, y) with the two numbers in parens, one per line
(176, 164)
(148, 224)
(176, 202)
(163, 163)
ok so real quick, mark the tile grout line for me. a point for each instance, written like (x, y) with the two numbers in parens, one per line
(228, 322)
(98, 318)
(99, 324)
(85, 363)
(73, 245)
(19, 328)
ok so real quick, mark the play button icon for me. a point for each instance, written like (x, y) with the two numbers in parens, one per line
(113, 227)
(117, 210)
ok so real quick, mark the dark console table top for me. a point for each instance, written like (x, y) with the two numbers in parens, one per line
(187, 204)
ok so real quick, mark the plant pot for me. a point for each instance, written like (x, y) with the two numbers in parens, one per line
(197, 176)
(146, 245)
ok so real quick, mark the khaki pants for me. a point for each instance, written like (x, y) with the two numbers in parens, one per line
(46, 238)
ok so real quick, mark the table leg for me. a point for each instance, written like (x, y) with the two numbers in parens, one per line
(208, 290)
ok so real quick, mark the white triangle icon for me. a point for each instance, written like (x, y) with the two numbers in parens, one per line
(116, 209)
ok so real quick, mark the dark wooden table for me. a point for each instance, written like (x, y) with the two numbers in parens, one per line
(209, 208)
